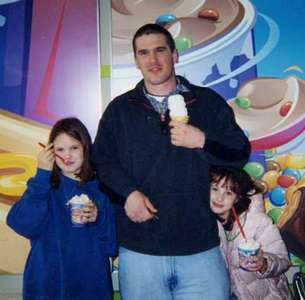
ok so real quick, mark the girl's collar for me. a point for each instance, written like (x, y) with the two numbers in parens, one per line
(68, 179)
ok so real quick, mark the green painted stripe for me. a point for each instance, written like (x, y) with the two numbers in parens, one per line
(105, 71)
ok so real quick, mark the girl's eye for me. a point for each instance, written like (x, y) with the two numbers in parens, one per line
(214, 188)
(58, 149)
(231, 194)
(75, 147)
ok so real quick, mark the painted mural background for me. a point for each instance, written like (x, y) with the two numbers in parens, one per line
(251, 52)
(49, 69)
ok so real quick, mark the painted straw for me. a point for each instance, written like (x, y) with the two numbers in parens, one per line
(236, 217)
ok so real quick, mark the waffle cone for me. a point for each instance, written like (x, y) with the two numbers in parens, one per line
(183, 119)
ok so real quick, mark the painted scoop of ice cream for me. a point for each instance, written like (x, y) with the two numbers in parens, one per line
(177, 108)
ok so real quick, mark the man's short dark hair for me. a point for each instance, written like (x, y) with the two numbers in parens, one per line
(153, 29)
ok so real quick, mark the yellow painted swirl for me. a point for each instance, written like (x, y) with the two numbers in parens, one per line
(15, 184)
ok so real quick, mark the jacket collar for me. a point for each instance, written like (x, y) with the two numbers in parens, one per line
(138, 97)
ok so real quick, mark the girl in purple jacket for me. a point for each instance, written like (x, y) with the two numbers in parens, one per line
(265, 278)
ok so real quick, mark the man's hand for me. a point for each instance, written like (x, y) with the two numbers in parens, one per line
(46, 158)
(185, 135)
(138, 208)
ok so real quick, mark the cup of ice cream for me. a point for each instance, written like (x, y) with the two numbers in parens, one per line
(248, 251)
(77, 204)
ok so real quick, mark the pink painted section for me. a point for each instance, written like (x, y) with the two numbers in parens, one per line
(63, 77)
(279, 138)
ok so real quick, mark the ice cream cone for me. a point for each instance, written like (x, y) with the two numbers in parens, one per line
(177, 108)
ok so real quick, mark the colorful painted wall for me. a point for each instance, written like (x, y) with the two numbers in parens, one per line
(251, 52)
(49, 69)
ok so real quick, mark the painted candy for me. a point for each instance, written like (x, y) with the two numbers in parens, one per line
(183, 43)
(262, 185)
(242, 102)
(285, 108)
(210, 14)
(272, 165)
(292, 172)
(165, 19)
(286, 181)
(282, 160)
(277, 196)
(270, 178)
(275, 213)
(254, 169)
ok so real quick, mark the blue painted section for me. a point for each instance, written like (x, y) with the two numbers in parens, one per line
(15, 30)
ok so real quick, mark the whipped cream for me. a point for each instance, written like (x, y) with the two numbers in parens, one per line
(81, 199)
(248, 245)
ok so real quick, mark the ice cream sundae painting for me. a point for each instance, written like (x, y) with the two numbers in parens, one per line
(271, 112)
(213, 38)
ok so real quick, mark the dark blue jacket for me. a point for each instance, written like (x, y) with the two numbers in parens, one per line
(133, 151)
(64, 263)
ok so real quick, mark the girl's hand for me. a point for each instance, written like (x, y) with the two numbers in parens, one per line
(90, 212)
(46, 158)
(257, 263)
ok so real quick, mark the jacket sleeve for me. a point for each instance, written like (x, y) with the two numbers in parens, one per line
(226, 144)
(273, 247)
(105, 156)
(28, 216)
(106, 228)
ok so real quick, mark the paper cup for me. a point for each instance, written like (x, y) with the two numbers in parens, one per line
(77, 204)
(248, 252)
(77, 214)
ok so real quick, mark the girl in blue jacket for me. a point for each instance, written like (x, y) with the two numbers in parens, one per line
(67, 260)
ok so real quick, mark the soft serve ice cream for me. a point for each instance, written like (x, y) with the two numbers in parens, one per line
(177, 108)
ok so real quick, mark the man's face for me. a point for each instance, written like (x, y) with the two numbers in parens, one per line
(156, 62)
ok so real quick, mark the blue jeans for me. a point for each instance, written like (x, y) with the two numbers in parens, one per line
(193, 277)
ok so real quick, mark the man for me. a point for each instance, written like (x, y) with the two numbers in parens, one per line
(167, 234)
